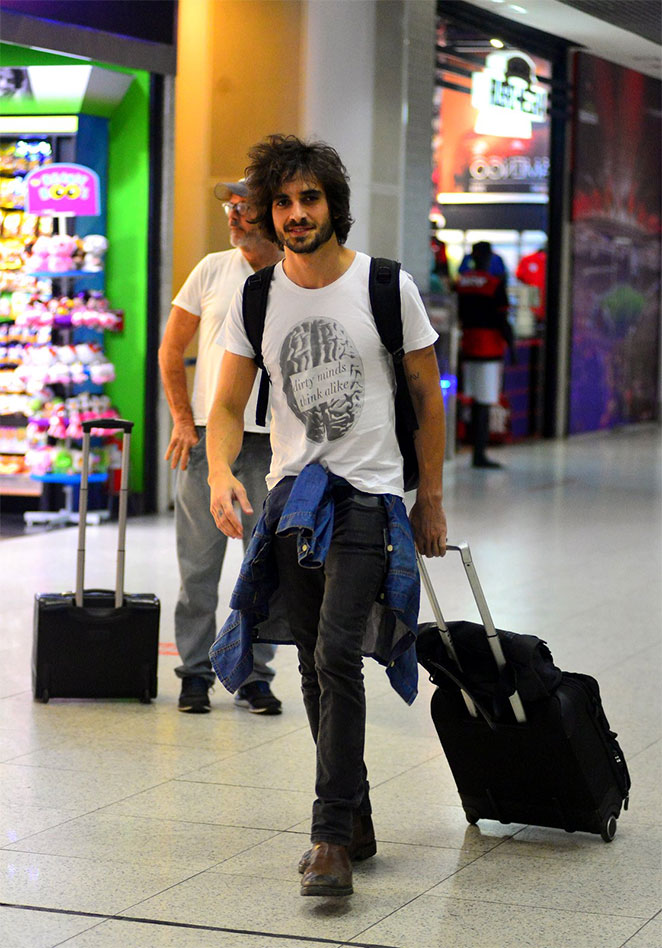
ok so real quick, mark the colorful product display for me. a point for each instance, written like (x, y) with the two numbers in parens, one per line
(52, 360)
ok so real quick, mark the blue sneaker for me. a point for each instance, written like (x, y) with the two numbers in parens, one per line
(257, 697)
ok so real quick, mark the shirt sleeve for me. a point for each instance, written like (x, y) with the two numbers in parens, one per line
(190, 295)
(417, 332)
(233, 333)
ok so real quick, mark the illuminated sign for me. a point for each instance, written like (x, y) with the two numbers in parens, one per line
(66, 190)
(507, 96)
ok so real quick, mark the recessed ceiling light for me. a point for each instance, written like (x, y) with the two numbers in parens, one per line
(497, 43)
(517, 8)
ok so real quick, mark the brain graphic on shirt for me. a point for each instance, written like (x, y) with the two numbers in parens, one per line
(323, 378)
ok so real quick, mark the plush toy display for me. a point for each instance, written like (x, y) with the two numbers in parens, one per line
(62, 248)
(52, 344)
(94, 247)
(39, 460)
(38, 259)
(60, 253)
(62, 461)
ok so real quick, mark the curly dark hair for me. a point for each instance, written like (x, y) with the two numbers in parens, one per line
(280, 158)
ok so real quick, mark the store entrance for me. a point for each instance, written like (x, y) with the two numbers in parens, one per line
(491, 168)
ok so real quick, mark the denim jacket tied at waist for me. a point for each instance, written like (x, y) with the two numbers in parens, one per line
(304, 505)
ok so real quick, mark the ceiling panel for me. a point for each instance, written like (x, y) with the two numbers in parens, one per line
(627, 32)
(643, 17)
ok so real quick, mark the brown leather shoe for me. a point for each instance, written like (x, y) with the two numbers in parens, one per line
(329, 871)
(362, 846)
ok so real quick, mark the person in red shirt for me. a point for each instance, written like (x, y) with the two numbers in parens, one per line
(486, 332)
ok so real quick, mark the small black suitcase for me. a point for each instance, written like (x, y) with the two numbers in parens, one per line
(552, 762)
(97, 643)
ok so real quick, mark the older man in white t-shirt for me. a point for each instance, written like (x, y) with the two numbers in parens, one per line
(201, 305)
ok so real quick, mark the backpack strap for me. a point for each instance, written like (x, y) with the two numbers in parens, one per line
(384, 290)
(255, 294)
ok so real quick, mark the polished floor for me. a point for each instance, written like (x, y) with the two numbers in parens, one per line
(132, 826)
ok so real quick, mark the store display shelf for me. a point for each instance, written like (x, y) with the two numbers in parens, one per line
(60, 274)
(52, 360)
(71, 480)
(13, 419)
(66, 515)
(19, 485)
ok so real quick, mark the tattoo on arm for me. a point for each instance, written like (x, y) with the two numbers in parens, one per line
(414, 376)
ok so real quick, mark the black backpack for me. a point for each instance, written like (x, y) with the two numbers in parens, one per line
(384, 290)
(530, 667)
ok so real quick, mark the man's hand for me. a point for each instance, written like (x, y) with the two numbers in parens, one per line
(183, 438)
(428, 522)
(226, 491)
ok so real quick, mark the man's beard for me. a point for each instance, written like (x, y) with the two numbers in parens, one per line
(242, 239)
(324, 234)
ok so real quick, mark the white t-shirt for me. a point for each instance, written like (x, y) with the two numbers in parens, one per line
(207, 293)
(332, 391)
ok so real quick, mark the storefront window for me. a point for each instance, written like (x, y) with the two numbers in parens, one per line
(490, 182)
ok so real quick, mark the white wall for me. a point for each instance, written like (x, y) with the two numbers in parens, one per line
(339, 50)
(368, 82)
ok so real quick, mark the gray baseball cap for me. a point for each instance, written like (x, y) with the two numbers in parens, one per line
(224, 189)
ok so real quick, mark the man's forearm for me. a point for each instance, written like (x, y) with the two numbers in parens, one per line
(427, 516)
(173, 375)
(430, 443)
(225, 433)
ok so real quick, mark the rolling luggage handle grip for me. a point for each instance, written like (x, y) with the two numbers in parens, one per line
(112, 423)
(481, 602)
(87, 426)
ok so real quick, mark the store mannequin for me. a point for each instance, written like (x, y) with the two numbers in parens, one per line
(483, 315)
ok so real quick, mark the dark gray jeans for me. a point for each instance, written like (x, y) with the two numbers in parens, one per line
(328, 609)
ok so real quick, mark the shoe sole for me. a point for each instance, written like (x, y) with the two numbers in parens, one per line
(244, 705)
(326, 890)
(195, 709)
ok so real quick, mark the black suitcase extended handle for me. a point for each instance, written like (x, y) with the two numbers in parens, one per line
(120, 423)
(125, 426)
(483, 608)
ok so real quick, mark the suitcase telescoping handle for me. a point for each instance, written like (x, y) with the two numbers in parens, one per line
(126, 427)
(481, 602)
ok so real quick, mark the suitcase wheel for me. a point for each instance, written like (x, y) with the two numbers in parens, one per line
(145, 698)
(472, 816)
(44, 696)
(608, 829)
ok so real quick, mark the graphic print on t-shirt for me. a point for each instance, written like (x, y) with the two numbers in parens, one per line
(323, 378)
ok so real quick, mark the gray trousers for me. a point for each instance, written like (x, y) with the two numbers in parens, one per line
(201, 550)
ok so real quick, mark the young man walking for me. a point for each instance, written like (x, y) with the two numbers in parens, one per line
(331, 565)
(202, 304)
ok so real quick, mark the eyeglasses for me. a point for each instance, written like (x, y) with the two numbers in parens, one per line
(241, 207)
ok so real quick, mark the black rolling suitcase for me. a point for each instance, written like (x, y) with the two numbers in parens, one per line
(529, 744)
(97, 643)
